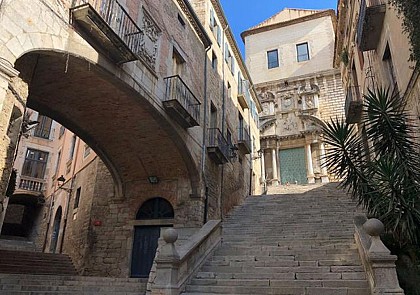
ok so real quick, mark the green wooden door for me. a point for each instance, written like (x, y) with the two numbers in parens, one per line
(293, 166)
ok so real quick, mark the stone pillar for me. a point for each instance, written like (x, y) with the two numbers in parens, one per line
(274, 162)
(167, 266)
(310, 168)
(278, 165)
(382, 268)
(8, 141)
(324, 171)
(262, 167)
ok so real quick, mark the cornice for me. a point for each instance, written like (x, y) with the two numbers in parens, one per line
(253, 31)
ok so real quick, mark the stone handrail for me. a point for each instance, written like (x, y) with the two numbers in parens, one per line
(377, 260)
(174, 267)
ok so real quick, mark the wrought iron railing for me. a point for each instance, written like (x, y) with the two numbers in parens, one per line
(353, 94)
(176, 89)
(243, 134)
(120, 22)
(30, 184)
(216, 139)
(360, 23)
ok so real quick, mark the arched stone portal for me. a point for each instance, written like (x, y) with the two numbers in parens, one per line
(146, 236)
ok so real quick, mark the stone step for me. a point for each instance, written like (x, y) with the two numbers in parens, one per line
(53, 284)
(282, 283)
(276, 290)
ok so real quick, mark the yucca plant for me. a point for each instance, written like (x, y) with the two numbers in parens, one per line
(381, 170)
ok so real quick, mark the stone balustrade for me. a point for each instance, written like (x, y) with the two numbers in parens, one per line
(176, 265)
(376, 257)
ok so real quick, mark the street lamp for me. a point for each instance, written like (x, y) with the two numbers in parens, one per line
(61, 181)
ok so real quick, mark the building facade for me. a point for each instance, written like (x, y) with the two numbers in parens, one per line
(291, 59)
(39, 209)
(372, 51)
(172, 122)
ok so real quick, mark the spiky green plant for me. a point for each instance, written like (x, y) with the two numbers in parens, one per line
(381, 170)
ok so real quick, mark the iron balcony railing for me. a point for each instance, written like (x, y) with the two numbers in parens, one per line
(360, 23)
(30, 184)
(243, 134)
(176, 89)
(217, 140)
(353, 104)
(118, 19)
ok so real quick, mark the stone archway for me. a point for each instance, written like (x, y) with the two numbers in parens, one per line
(132, 137)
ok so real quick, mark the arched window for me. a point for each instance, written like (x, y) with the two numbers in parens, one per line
(156, 208)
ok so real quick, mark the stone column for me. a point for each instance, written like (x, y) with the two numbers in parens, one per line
(274, 162)
(324, 171)
(278, 165)
(310, 168)
(8, 141)
(262, 167)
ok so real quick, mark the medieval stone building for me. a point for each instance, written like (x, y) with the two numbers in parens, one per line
(290, 57)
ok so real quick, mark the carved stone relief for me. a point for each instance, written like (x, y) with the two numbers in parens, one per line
(148, 48)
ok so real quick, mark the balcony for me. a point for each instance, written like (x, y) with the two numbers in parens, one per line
(31, 184)
(180, 102)
(371, 18)
(353, 105)
(217, 147)
(111, 30)
(244, 140)
(244, 99)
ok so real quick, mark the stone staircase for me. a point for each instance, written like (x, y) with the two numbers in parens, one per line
(36, 273)
(13, 284)
(287, 244)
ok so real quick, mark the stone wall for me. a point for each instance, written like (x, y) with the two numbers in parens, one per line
(13, 94)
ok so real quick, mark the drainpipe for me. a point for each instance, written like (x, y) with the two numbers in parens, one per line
(203, 150)
(223, 116)
(252, 146)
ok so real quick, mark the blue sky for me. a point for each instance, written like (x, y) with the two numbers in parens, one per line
(243, 14)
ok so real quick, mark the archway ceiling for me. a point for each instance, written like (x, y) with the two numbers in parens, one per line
(113, 119)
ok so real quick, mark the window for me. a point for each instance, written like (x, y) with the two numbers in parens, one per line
(229, 59)
(229, 90)
(35, 163)
(215, 28)
(87, 151)
(57, 165)
(77, 198)
(273, 59)
(213, 60)
(389, 68)
(72, 147)
(240, 84)
(62, 130)
(213, 116)
(181, 20)
(302, 52)
(43, 128)
(177, 62)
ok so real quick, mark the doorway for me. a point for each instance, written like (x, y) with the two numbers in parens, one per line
(145, 241)
(293, 166)
(56, 230)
